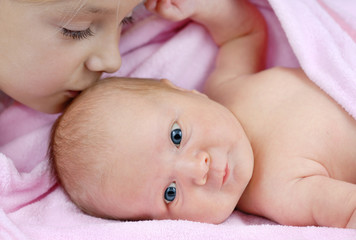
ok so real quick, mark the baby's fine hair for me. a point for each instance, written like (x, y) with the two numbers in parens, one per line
(79, 140)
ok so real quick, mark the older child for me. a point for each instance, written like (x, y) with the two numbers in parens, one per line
(145, 149)
(53, 50)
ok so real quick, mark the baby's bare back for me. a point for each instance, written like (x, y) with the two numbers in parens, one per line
(304, 145)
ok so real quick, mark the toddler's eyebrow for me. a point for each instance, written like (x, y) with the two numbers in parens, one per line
(96, 10)
(89, 10)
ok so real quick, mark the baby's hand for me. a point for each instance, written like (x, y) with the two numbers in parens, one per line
(173, 10)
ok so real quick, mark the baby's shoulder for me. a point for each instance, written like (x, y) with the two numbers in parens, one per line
(264, 85)
(278, 75)
(272, 81)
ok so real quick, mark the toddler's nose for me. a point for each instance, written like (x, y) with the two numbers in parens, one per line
(108, 61)
(106, 56)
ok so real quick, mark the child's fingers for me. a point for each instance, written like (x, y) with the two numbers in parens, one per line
(168, 9)
(156, 5)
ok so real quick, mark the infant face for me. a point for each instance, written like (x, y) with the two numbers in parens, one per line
(175, 156)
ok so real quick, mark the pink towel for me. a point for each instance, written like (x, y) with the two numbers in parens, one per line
(322, 34)
(317, 35)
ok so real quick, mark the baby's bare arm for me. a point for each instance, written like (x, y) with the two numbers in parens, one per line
(237, 27)
(242, 40)
(331, 202)
(315, 200)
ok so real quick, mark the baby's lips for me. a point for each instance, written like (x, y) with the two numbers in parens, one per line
(73, 93)
(227, 173)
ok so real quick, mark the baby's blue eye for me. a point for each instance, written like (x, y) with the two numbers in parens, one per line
(176, 134)
(170, 193)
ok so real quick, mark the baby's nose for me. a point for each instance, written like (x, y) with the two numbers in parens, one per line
(196, 168)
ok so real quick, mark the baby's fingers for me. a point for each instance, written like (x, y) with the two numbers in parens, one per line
(167, 9)
(151, 4)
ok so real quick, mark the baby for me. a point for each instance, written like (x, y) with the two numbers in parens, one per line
(269, 143)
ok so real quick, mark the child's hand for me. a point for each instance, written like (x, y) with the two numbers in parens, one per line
(173, 10)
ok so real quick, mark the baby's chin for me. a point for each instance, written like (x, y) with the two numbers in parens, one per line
(221, 219)
(214, 219)
(216, 216)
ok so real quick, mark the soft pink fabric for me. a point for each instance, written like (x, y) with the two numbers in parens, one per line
(322, 35)
(33, 206)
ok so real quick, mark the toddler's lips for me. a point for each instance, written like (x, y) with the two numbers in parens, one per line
(227, 173)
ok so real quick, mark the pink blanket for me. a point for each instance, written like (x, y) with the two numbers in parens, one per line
(318, 35)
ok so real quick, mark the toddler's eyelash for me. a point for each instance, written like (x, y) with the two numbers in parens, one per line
(77, 35)
(127, 20)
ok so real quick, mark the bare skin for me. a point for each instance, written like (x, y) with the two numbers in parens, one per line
(276, 146)
(303, 145)
(53, 50)
(303, 141)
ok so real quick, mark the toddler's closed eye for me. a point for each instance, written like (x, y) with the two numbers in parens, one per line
(77, 35)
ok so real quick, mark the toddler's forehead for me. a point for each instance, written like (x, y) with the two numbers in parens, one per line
(92, 7)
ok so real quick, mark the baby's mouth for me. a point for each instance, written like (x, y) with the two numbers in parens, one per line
(73, 94)
(227, 173)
